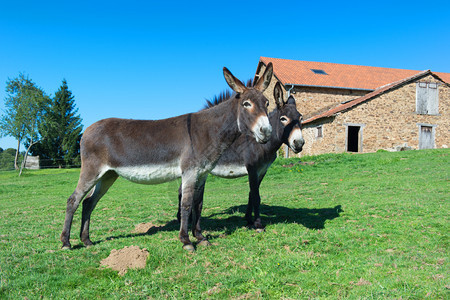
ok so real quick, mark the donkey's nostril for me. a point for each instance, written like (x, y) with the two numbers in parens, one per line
(265, 130)
(299, 143)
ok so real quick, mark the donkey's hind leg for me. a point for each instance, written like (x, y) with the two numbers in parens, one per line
(91, 201)
(180, 195)
(197, 211)
(189, 181)
(85, 184)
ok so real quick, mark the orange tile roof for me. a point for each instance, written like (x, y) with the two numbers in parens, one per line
(444, 76)
(379, 91)
(338, 75)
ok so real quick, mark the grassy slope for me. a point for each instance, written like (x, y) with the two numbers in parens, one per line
(372, 225)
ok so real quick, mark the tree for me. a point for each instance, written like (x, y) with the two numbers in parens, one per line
(25, 104)
(7, 159)
(60, 130)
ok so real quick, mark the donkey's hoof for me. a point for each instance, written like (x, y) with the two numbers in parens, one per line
(204, 243)
(189, 248)
(259, 230)
(87, 242)
(65, 248)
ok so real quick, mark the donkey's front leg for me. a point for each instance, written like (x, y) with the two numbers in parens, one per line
(254, 200)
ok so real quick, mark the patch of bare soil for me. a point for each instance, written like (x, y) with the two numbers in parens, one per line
(127, 258)
(143, 227)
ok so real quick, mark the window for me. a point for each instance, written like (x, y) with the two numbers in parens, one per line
(427, 98)
(318, 71)
(319, 133)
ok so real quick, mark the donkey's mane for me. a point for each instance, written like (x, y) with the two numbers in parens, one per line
(224, 96)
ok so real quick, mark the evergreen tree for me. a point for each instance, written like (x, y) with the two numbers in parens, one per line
(7, 159)
(61, 131)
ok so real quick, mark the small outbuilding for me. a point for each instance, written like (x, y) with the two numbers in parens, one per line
(32, 163)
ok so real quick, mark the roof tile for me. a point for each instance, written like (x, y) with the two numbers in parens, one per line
(338, 75)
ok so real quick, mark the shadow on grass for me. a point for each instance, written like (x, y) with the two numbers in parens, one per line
(309, 218)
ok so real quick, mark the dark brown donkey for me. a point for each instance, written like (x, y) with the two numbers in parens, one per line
(153, 152)
(246, 157)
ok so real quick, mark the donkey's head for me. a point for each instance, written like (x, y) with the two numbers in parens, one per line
(290, 120)
(252, 112)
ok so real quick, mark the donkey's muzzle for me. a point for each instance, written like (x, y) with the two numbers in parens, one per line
(266, 133)
(297, 146)
(262, 130)
(296, 140)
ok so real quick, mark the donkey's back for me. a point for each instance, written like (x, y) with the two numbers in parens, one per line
(142, 151)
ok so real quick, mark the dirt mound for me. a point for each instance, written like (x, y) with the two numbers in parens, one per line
(127, 258)
(143, 227)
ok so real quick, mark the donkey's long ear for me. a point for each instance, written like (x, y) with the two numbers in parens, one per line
(234, 83)
(278, 95)
(290, 100)
(264, 81)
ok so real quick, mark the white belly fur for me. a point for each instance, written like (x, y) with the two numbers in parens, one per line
(229, 171)
(150, 174)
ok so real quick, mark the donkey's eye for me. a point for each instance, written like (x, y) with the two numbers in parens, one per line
(267, 103)
(283, 119)
(247, 104)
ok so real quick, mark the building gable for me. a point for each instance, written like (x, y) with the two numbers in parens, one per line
(320, 86)
(428, 100)
(384, 119)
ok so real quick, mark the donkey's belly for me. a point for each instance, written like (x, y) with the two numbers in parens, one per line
(234, 171)
(150, 174)
(229, 171)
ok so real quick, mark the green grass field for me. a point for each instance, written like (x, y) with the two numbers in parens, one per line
(337, 226)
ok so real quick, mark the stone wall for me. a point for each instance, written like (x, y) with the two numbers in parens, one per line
(313, 100)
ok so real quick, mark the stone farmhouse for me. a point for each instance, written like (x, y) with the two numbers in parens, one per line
(349, 108)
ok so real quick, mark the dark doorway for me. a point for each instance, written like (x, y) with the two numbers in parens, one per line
(353, 138)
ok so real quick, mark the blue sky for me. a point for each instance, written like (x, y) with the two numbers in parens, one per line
(153, 60)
